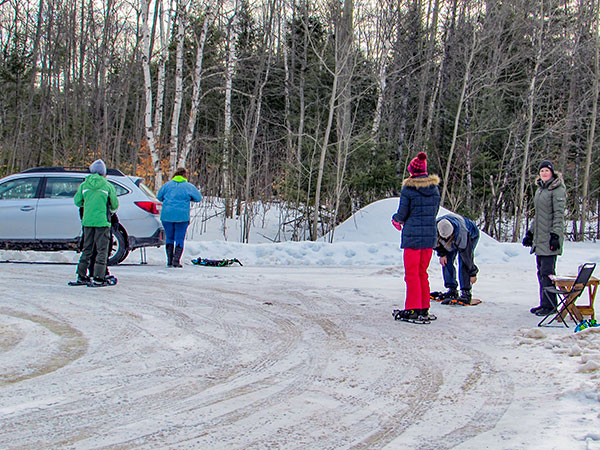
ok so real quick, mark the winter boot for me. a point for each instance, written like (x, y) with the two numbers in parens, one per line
(411, 314)
(450, 294)
(465, 297)
(177, 256)
(99, 282)
(169, 249)
(424, 313)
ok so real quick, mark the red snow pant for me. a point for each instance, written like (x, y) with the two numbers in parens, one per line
(416, 262)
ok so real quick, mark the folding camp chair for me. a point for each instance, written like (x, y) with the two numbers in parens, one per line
(568, 297)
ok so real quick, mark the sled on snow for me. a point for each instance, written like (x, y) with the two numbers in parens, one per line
(216, 262)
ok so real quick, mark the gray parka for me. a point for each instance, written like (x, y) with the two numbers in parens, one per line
(549, 203)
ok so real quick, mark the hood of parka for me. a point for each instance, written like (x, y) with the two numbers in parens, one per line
(425, 184)
(553, 183)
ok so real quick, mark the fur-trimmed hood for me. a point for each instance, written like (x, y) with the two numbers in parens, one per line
(551, 184)
(421, 182)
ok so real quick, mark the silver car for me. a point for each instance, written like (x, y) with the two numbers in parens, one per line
(37, 212)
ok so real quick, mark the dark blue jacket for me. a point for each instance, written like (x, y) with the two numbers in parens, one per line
(463, 240)
(419, 204)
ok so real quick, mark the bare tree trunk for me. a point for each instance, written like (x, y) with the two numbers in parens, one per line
(461, 102)
(196, 90)
(226, 186)
(178, 100)
(255, 112)
(384, 31)
(162, 68)
(154, 154)
(592, 129)
(530, 117)
(424, 86)
(344, 119)
(325, 143)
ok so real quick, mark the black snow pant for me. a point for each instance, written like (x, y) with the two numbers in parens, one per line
(546, 266)
(98, 239)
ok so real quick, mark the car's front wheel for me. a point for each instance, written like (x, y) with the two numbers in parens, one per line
(119, 250)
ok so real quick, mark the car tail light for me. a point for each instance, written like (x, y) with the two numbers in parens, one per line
(151, 207)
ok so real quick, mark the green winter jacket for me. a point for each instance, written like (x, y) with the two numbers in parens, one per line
(549, 203)
(99, 200)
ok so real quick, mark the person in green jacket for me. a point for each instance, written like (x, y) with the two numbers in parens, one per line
(546, 233)
(99, 200)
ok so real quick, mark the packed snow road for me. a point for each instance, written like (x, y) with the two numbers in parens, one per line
(277, 357)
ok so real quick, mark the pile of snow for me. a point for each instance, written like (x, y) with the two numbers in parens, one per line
(366, 238)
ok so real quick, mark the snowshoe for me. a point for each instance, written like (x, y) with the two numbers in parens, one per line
(410, 315)
(99, 282)
(81, 281)
(589, 323)
(445, 297)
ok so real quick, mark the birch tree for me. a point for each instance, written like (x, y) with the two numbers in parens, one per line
(150, 135)
(182, 19)
(197, 79)
(226, 183)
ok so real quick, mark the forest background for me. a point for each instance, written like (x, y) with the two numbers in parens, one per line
(312, 102)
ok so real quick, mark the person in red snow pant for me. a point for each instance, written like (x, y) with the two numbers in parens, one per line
(416, 262)
(416, 219)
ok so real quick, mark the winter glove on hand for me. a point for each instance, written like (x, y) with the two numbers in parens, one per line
(528, 239)
(554, 242)
(397, 225)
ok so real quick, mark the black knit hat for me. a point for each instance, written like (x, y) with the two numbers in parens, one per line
(548, 165)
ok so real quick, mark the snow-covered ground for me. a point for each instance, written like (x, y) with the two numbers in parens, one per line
(297, 349)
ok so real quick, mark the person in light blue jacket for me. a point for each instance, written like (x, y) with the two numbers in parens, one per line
(176, 196)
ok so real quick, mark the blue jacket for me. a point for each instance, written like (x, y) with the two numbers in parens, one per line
(419, 204)
(463, 240)
(176, 196)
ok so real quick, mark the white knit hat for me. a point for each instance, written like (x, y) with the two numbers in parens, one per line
(445, 228)
(98, 167)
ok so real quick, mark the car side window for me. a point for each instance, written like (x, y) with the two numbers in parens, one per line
(22, 188)
(57, 187)
(120, 189)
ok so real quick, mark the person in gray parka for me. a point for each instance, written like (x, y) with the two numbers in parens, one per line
(545, 236)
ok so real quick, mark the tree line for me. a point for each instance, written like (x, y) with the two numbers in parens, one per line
(320, 104)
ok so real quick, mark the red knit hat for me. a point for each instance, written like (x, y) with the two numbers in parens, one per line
(418, 166)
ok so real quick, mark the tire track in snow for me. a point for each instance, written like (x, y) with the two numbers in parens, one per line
(71, 346)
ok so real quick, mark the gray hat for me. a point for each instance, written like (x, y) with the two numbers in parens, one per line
(445, 228)
(98, 167)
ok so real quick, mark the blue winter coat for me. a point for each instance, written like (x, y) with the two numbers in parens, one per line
(463, 240)
(176, 196)
(419, 204)
(465, 233)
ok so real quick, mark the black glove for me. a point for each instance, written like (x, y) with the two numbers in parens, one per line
(554, 242)
(528, 239)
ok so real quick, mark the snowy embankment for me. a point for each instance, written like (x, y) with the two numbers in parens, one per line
(365, 239)
(297, 349)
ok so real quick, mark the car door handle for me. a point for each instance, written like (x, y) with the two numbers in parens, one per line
(27, 208)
